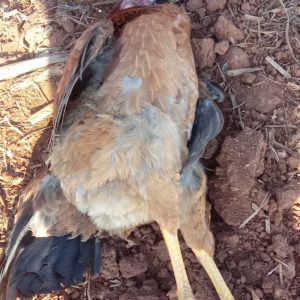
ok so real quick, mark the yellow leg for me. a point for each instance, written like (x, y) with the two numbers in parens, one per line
(214, 274)
(184, 290)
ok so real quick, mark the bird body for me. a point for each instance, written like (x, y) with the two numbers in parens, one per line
(131, 138)
(120, 156)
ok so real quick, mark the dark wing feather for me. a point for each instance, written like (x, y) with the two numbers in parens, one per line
(94, 42)
(208, 123)
(50, 246)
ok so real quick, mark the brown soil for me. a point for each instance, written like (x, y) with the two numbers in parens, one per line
(255, 160)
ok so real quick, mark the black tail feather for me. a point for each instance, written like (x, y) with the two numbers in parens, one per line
(52, 263)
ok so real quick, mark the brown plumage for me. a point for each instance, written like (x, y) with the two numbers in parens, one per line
(119, 154)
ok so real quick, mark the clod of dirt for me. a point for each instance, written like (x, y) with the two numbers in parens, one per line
(235, 58)
(213, 5)
(221, 47)
(280, 245)
(268, 285)
(241, 161)
(288, 195)
(294, 162)
(225, 29)
(133, 266)
(204, 52)
(263, 97)
(67, 25)
(161, 251)
(248, 78)
(283, 251)
(110, 268)
(195, 5)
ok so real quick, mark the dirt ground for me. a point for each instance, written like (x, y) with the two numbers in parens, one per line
(253, 166)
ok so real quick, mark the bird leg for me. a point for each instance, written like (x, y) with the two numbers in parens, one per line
(214, 274)
(184, 290)
(194, 218)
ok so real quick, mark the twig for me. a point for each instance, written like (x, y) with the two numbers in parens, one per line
(44, 75)
(268, 226)
(267, 197)
(237, 72)
(221, 72)
(234, 105)
(287, 28)
(41, 114)
(282, 263)
(276, 66)
(22, 67)
(253, 294)
(88, 288)
(273, 270)
(288, 150)
(31, 133)
(17, 130)
(280, 275)
(253, 18)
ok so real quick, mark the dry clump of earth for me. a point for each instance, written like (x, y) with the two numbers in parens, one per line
(253, 166)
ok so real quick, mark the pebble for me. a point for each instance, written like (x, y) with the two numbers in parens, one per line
(235, 58)
(226, 30)
(213, 5)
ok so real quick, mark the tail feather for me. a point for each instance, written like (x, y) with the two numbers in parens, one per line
(35, 264)
(52, 264)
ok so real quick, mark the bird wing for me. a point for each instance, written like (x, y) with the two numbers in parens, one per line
(51, 245)
(93, 42)
(208, 123)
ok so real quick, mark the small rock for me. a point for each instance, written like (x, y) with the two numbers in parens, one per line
(246, 7)
(222, 255)
(110, 267)
(213, 5)
(204, 52)
(263, 97)
(194, 5)
(133, 266)
(248, 78)
(225, 29)
(68, 25)
(280, 245)
(268, 285)
(163, 273)
(151, 284)
(259, 293)
(232, 264)
(172, 294)
(265, 256)
(243, 279)
(294, 162)
(161, 251)
(233, 241)
(221, 47)
(241, 160)
(235, 58)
